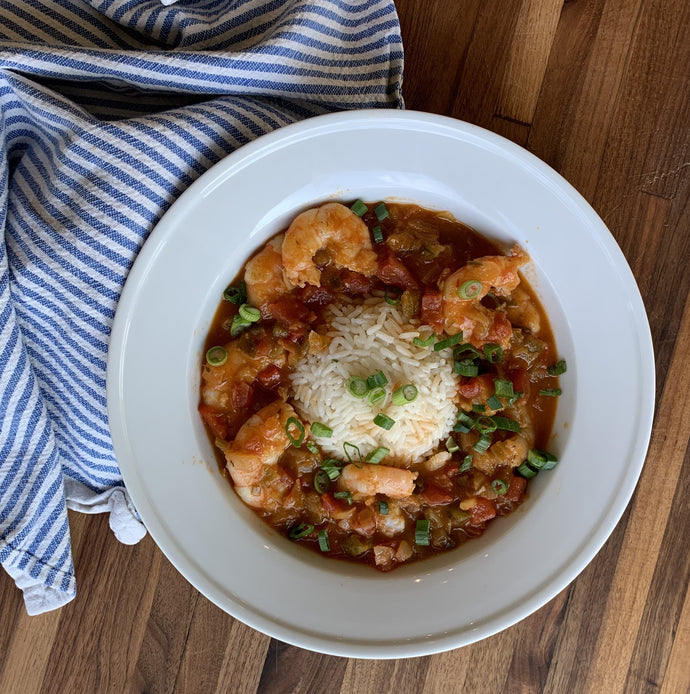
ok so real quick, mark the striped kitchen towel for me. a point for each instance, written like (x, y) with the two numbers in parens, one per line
(109, 109)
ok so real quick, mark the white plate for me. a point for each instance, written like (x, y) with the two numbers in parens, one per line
(603, 422)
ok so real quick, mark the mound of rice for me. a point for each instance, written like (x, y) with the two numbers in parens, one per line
(365, 338)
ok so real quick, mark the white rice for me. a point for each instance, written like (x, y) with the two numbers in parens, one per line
(365, 338)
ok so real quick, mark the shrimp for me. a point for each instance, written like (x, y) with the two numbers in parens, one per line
(479, 324)
(511, 451)
(263, 275)
(259, 443)
(223, 386)
(396, 483)
(333, 232)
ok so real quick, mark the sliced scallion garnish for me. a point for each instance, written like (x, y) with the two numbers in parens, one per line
(312, 447)
(359, 208)
(322, 481)
(377, 234)
(499, 487)
(465, 367)
(377, 455)
(451, 445)
(343, 495)
(506, 424)
(377, 380)
(357, 386)
(238, 325)
(504, 388)
(381, 211)
(392, 296)
(383, 421)
(425, 341)
(377, 395)
(404, 394)
(551, 392)
(421, 532)
(493, 352)
(485, 425)
(249, 313)
(541, 460)
(466, 463)
(470, 289)
(324, 544)
(383, 508)
(352, 453)
(292, 424)
(448, 342)
(331, 466)
(236, 294)
(494, 403)
(526, 470)
(300, 531)
(319, 429)
(483, 443)
(216, 356)
(560, 367)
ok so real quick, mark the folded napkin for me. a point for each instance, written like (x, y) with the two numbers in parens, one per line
(109, 109)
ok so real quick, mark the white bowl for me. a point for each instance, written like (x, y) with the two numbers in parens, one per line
(601, 432)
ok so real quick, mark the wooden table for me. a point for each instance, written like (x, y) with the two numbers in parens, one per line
(599, 90)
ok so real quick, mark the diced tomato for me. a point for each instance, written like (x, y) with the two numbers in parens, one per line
(432, 309)
(393, 271)
(435, 496)
(479, 387)
(290, 312)
(482, 511)
(216, 421)
(269, 377)
(501, 329)
(317, 296)
(241, 395)
(516, 489)
(331, 504)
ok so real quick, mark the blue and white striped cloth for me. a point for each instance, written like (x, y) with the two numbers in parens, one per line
(109, 109)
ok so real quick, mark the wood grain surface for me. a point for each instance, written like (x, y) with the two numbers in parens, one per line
(599, 90)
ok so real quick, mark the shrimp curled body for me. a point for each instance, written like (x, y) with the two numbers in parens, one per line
(396, 483)
(334, 231)
(479, 324)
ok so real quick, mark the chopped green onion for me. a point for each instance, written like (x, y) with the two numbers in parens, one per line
(343, 495)
(331, 466)
(466, 463)
(377, 380)
(526, 470)
(485, 425)
(517, 396)
(322, 481)
(466, 351)
(499, 487)
(352, 450)
(470, 289)
(448, 342)
(236, 294)
(383, 508)
(405, 394)
(377, 455)
(300, 531)
(494, 403)
(319, 429)
(541, 460)
(381, 211)
(377, 396)
(249, 313)
(421, 532)
(504, 388)
(493, 352)
(296, 441)
(424, 342)
(357, 386)
(312, 447)
(238, 325)
(359, 208)
(560, 367)
(451, 445)
(383, 421)
(216, 356)
(483, 443)
(478, 407)
(464, 418)
(466, 367)
(551, 392)
(506, 424)
(392, 296)
(324, 544)
(377, 234)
